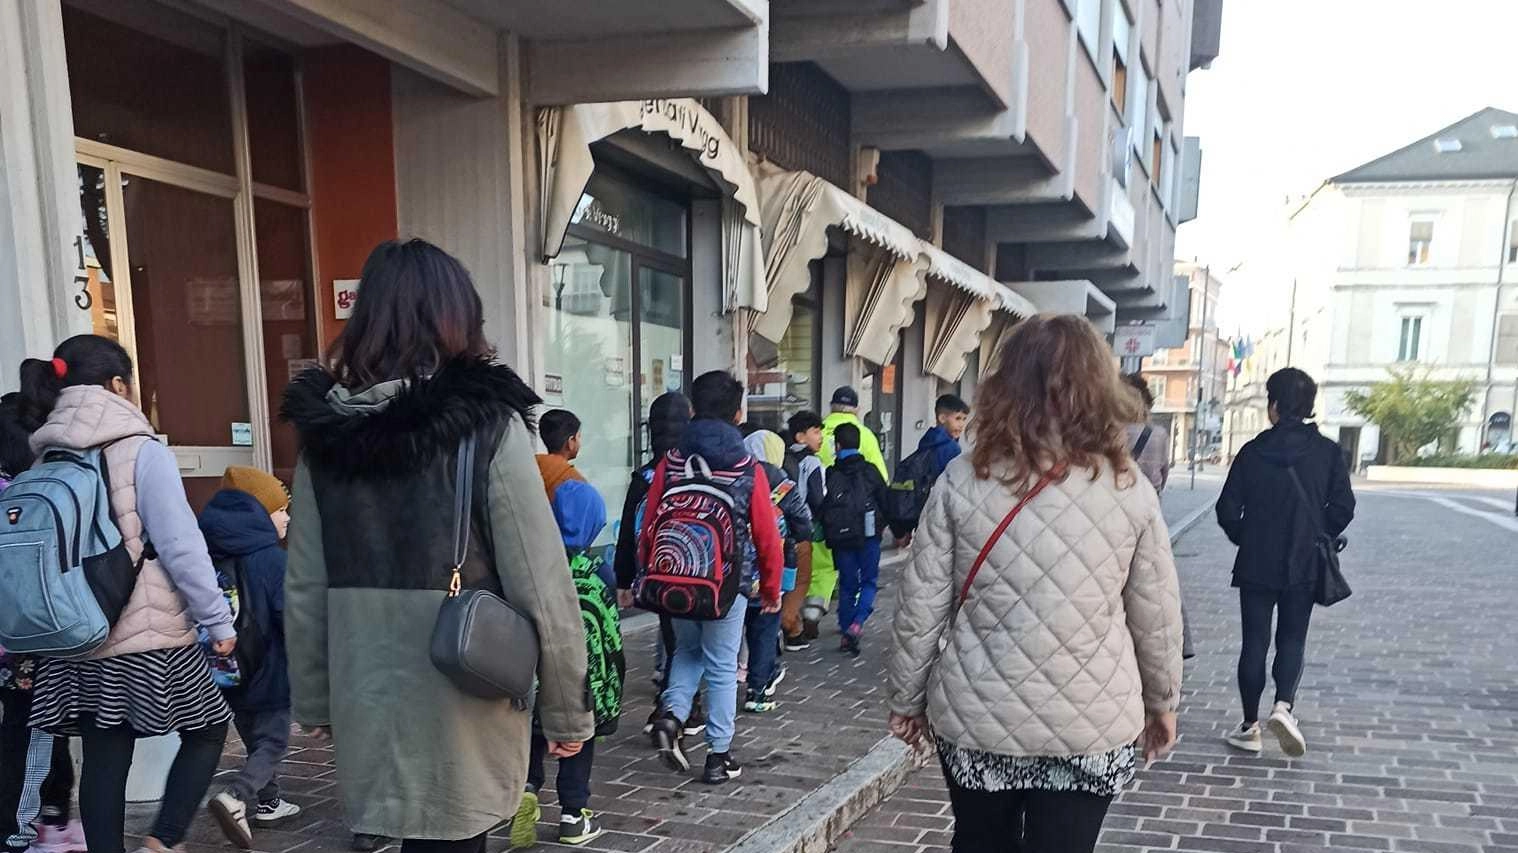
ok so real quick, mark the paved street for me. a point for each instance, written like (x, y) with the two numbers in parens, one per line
(832, 713)
(1408, 704)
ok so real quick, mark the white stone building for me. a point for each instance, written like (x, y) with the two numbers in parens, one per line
(1412, 259)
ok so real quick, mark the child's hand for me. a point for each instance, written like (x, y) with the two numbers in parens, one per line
(225, 648)
(625, 599)
(770, 606)
(564, 749)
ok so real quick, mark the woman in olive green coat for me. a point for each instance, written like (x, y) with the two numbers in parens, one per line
(371, 556)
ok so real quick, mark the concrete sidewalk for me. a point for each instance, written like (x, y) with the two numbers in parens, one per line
(811, 768)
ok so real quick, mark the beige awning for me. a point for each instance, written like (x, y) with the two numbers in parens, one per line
(565, 166)
(797, 209)
(956, 320)
(1014, 303)
(951, 270)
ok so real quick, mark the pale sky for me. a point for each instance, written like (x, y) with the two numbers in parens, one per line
(1306, 89)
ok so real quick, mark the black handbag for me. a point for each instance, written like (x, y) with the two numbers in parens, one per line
(486, 647)
(1331, 588)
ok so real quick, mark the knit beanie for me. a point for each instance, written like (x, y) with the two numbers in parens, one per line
(264, 487)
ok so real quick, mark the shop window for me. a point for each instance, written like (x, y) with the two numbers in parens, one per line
(288, 314)
(618, 325)
(783, 378)
(157, 86)
(1157, 159)
(96, 287)
(274, 141)
(188, 312)
(1420, 242)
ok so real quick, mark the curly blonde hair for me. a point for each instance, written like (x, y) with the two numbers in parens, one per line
(1053, 400)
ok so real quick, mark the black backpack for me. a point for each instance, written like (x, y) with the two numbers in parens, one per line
(909, 489)
(847, 508)
(251, 643)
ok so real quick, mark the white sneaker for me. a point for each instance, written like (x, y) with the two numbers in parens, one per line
(232, 815)
(1246, 737)
(1283, 724)
(275, 811)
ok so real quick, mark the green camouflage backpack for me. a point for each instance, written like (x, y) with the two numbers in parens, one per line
(606, 665)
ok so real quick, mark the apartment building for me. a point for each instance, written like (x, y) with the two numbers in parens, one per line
(814, 192)
(1176, 374)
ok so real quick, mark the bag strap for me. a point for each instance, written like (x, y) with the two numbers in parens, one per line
(1316, 516)
(463, 500)
(1143, 440)
(985, 551)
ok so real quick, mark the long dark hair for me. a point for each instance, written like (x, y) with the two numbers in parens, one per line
(80, 360)
(15, 446)
(417, 310)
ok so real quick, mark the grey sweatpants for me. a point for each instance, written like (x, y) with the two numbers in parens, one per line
(266, 737)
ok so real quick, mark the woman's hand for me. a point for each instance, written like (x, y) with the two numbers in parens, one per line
(1159, 735)
(224, 648)
(625, 599)
(909, 729)
(564, 749)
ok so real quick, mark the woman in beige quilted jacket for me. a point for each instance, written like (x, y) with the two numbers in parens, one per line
(1045, 671)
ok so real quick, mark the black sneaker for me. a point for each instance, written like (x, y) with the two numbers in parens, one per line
(363, 842)
(774, 686)
(583, 828)
(811, 630)
(720, 768)
(798, 643)
(696, 725)
(667, 737)
(653, 717)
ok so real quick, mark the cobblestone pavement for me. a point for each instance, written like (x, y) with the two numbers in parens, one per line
(1409, 705)
(832, 712)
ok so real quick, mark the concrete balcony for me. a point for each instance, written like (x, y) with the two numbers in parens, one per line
(578, 51)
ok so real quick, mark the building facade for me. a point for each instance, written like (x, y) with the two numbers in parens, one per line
(810, 193)
(1176, 374)
(1408, 262)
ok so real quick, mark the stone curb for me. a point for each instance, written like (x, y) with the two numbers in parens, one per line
(824, 815)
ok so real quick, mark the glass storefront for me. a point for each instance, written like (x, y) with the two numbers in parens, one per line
(784, 378)
(170, 230)
(617, 325)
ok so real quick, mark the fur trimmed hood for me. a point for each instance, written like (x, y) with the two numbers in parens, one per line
(399, 427)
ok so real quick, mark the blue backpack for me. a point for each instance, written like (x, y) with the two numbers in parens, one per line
(63, 564)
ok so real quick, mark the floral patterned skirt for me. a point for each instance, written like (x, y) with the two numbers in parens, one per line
(1103, 774)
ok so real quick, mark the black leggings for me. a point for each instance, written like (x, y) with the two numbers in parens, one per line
(102, 785)
(1026, 821)
(468, 845)
(1293, 610)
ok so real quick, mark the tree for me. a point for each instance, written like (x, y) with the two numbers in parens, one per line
(1412, 409)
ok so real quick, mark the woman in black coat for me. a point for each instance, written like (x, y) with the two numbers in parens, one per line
(1262, 511)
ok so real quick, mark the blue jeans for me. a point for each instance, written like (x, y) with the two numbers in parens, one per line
(763, 633)
(708, 651)
(858, 581)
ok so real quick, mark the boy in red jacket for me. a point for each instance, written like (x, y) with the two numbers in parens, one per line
(709, 650)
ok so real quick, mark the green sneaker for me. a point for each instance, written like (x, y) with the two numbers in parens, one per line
(524, 824)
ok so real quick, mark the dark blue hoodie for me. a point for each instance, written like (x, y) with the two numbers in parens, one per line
(237, 526)
(945, 448)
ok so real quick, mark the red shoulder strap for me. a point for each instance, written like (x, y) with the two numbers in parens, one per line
(985, 551)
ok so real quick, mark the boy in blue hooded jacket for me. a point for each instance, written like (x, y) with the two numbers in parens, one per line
(243, 525)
